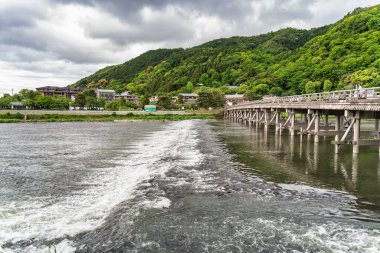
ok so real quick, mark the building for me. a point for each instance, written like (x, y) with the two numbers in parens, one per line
(231, 87)
(67, 92)
(127, 96)
(108, 95)
(17, 105)
(150, 108)
(234, 99)
(188, 98)
(153, 99)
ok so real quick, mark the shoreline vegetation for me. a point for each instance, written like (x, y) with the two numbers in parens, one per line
(52, 117)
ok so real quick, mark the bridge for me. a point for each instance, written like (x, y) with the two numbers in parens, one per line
(310, 114)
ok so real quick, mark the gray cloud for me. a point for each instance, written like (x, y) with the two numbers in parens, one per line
(80, 36)
(19, 16)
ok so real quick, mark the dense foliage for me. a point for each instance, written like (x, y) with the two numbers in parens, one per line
(116, 77)
(285, 62)
(33, 99)
(18, 117)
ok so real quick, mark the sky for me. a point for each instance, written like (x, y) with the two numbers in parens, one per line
(57, 42)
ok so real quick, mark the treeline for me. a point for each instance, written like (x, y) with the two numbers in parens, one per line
(286, 62)
(33, 99)
(29, 99)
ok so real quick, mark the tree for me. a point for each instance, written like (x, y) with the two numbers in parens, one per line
(165, 102)
(261, 89)
(129, 104)
(43, 102)
(312, 87)
(243, 89)
(6, 100)
(204, 79)
(374, 23)
(91, 102)
(366, 78)
(277, 91)
(327, 85)
(80, 99)
(227, 77)
(28, 94)
(59, 103)
(189, 87)
(28, 103)
(144, 100)
(113, 105)
(251, 95)
(213, 98)
(89, 93)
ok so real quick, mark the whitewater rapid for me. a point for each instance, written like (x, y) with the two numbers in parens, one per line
(37, 220)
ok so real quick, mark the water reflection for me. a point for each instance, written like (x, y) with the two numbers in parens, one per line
(280, 157)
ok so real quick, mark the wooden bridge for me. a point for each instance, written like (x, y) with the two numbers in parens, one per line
(310, 114)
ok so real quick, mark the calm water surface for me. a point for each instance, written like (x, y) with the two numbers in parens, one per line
(189, 186)
(287, 159)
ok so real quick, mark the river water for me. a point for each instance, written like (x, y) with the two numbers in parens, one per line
(188, 186)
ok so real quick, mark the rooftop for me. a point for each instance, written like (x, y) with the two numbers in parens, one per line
(105, 91)
(16, 103)
(235, 96)
(56, 88)
(188, 95)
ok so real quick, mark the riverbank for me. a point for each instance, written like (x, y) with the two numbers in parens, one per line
(113, 116)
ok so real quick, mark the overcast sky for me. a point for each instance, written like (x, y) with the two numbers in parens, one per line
(57, 42)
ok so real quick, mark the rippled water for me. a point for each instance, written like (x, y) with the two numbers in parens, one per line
(189, 186)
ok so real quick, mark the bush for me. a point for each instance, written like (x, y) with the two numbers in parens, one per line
(213, 98)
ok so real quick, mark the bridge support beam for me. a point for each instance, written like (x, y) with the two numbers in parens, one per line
(292, 123)
(316, 126)
(277, 120)
(337, 136)
(268, 116)
(326, 120)
(377, 136)
(356, 118)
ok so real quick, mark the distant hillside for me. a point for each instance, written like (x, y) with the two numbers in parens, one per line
(124, 73)
(289, 61)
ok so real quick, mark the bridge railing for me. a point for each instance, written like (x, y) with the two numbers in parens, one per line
(333, 96)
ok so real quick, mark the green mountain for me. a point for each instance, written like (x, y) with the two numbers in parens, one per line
(289, 61)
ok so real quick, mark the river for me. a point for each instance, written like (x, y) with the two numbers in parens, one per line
(187, 186)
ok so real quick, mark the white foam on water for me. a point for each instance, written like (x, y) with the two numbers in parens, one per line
(160, 202)
(337, 238)
(329, 237)
(38, 219)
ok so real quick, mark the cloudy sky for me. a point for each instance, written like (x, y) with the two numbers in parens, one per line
(57, 42)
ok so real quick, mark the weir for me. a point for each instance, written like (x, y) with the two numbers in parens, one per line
(303, 114)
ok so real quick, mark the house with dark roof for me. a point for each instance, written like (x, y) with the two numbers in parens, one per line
(188, 98)
(67, 92)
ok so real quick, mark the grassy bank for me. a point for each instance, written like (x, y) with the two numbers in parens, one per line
(19, 118)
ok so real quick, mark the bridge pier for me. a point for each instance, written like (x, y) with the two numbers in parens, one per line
(277, 120)
(356, 139)
(316, 126)
(292, 123)
(337, 129)
(377, 136)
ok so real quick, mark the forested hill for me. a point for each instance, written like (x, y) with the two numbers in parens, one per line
(289, 61)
